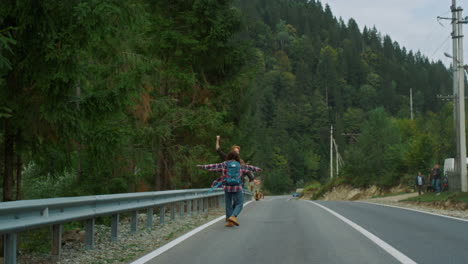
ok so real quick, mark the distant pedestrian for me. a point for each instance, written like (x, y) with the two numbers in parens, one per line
(436, 177)
(232, 184)
(419, 182)
(429, 187)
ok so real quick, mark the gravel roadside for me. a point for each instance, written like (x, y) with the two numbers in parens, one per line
(129, 247)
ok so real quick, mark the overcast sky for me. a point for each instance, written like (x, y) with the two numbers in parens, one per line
(412, 23)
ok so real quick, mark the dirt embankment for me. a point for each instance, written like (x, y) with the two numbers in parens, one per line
(348, 193)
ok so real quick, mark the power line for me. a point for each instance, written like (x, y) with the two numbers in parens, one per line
(443, 43)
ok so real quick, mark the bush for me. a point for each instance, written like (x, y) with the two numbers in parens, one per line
(36, 186)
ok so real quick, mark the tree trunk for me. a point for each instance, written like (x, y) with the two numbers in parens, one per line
(159, 171)
(19, 174)
(9, 140)
(162, 173)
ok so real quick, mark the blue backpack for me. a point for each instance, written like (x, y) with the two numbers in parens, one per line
(233, 175)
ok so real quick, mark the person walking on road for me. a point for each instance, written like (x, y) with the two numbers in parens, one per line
(223, 157)
(231, 181)
(419, 182)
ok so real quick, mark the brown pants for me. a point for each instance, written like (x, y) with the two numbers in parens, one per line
(419, 187)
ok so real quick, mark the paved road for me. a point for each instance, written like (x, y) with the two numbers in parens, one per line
(280, 230)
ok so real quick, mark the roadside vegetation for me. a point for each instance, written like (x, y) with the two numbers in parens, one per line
(90, 107)
(443, 196)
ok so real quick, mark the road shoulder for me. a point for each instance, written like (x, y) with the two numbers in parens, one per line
(430, 208)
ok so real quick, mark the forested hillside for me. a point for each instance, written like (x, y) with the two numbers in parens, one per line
(121, 96)
(317, 70)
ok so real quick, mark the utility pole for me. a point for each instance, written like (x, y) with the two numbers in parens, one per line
(461, 99)
(411, 101)
(458, 92)
(456, 72)
(331, 152)
(455, 69)
(339, 161)
(336, 159)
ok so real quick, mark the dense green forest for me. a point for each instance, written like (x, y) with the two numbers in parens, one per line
(121, 96)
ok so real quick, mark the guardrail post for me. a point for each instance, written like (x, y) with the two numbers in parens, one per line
(162, 214)
(9, 248)
(189, 207)
(89, 235)
(133, 223)
(200, 205)
(57, 240)
(149, 218)
(173, 212)
(195, 207)
(206, 204)
(182, 209)
(115, 227)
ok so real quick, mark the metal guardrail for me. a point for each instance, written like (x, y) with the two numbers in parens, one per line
(24, 215)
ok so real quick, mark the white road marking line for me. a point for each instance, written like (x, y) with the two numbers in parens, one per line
(177, 241)
(419, 211)
(384, 245)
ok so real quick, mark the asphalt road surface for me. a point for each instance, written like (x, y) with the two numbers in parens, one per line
(283, 230)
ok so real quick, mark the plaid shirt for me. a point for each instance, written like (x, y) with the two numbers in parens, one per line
(223, 168)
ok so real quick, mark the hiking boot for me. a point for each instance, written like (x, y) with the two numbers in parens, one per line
(229, 224)
(233, 220)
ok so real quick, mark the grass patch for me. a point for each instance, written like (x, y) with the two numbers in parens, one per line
(388, 195)
(36, 240)
(444, 196)
(312, 186)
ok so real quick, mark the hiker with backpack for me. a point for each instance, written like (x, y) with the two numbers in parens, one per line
(223, 157)
(231, 182)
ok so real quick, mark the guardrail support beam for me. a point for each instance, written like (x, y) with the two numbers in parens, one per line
(9, 248)
(181, 210)
(57, 240)
(189, 207)
(89, 235)
(149, 217)
(200, 206)
(173, 212)
(195, 207)
(133, 223)
(115, 227)
(162, 214)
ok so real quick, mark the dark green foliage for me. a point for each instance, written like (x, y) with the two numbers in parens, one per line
(123, 96)
(376, 158)
(320, 71)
